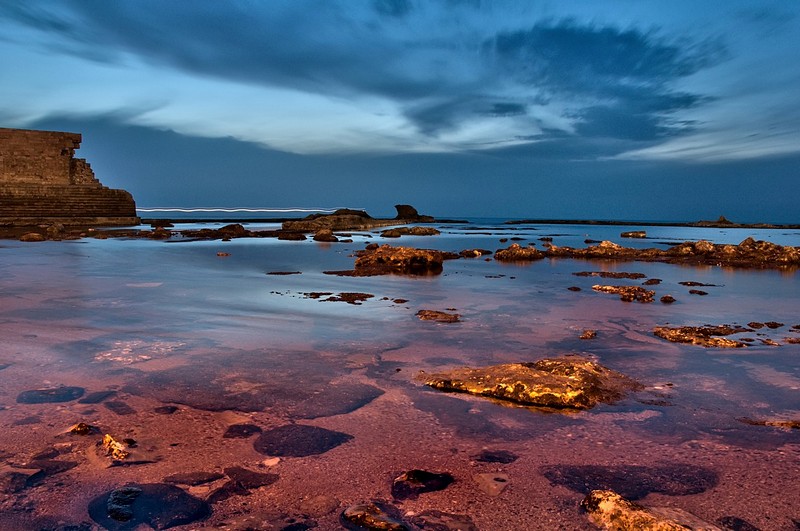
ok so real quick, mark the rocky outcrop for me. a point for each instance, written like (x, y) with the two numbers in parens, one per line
(517, 253)
(348, 219)
(706, 336)
(386, 260)
(438, 316)
(567, 382)
(628, 293)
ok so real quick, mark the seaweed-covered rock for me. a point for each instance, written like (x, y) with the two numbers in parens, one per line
(609, 510)
(516, 253)
(567, 382)
(706, 336)
(628, 293)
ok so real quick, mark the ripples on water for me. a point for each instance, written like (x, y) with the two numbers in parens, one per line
(156, 323)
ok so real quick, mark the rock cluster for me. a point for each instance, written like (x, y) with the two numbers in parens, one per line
(348, 219)
(628, 293)
(516, 253)
(706, 336)
(567, 382)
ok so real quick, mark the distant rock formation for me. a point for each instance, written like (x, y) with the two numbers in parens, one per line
(348, 219)
(41, 182)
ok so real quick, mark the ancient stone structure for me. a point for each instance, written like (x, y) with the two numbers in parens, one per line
(42, 182)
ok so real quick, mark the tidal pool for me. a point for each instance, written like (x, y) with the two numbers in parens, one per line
(172, 345)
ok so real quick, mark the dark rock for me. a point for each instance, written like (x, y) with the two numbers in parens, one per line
(588, 334)
(55, 394)
(756, 325)
(229, 489)
(241, 431)
(474, 253)
(375, 516)
(165, 410)
(157, 505)
(249, 479)
(628, 293)
(633, 482)
(32, 237)
(651, 282)
(568, 382)
(409, 485)
(495, 456)
(297, 440)
(434, 520)
(120, 408)
(289, 235)
(667, 299)
(773, 325)
(634, 234)
(96, 397)
(733, 523)
(350, 298)
(574, 288)
(610, 274)
(691, 283)
(284, 273)
(697, 292)
(193, 478)
(406, 212)
(439, 317)
(399, 260)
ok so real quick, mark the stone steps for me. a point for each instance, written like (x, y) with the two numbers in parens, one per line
(68, 204)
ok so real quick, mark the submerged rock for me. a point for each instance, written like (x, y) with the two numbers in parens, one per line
(55, 394)
(609, 510)
(157, 505)
(442, 521)
(568, 382)
(409, 485)
(298, 440)
(241, 431)
(706, 336)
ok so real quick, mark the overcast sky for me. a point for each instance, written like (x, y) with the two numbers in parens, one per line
(657, 110)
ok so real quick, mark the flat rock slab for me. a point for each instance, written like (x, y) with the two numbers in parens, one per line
(336, 399)
(157, 505)
(568, 382)
(297, 440)
(56, 394)
(705, 336)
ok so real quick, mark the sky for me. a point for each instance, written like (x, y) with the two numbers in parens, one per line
(625, 109)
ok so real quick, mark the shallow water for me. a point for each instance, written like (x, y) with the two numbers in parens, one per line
(172, 323)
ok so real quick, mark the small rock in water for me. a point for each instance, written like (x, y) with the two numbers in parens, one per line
(588, 334)
(439, 317)
(628, 293)
(409, 485)
(297, 440)
(667, 299)
(492, 483)
(55, 394)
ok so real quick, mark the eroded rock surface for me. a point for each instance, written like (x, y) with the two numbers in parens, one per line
(409, 485)
(516, 253)
(628, 293)
(438, 316)
(375, 516)
(157, 505)
(386, 260)
(568, 382)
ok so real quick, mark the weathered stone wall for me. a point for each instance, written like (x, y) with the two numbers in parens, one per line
(41, 181)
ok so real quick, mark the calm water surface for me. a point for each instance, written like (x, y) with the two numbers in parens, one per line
(173, 323)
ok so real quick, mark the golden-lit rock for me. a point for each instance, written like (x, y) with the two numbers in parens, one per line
(609, 510)
(706, 336)
(628, 293)
(588, 334)
(398, 260)
(376, 515)
(439, 317)
(567, 382)
(82, 428)
(114, 449)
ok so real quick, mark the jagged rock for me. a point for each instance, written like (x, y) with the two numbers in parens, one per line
(588, 334)
(406, 212)
(373, 516)
(412, 231)
(516, 253)
(409, 485)
(113, 448)
(634, 234)
(474, 253)
(775, 423)
(628, 293)
(82, 428)
(609, 510)
(439, 317)
(667, 299)
(568, 382)
(706, 336)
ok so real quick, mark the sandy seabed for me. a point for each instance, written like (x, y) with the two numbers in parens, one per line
(157, 324)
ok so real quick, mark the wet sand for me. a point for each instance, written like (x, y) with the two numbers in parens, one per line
(160, 324)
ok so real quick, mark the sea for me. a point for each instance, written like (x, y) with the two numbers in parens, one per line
(176, 344)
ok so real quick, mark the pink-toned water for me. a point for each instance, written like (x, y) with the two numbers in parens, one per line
(172, 323)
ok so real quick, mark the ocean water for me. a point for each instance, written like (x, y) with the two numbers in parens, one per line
(156, 323)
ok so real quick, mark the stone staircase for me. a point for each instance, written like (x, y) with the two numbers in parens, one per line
(76, 204)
